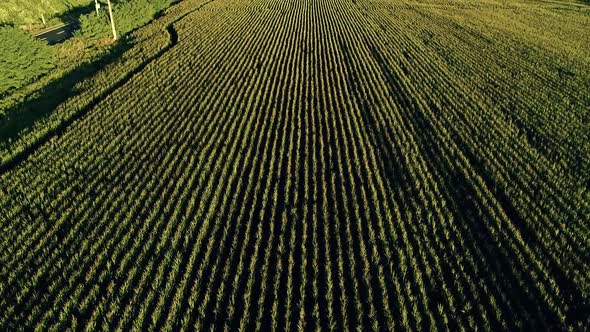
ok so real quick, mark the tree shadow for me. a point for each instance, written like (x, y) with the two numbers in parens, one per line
(466, 208)
(40, 105)
(74, 13)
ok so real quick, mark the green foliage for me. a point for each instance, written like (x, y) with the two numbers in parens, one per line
(128, 16)
(22, 59)
(93, 26)
(134, 13)
(29, 11)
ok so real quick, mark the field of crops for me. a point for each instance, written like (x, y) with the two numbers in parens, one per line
(316, 164)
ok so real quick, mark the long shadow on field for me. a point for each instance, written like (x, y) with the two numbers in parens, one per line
(59, 91)
(466, 210)
(463, 193)
(40, 107)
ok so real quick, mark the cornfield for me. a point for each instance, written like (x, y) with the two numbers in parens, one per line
(316, 164)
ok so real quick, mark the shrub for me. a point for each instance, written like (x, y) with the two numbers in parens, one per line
(23, 59)
(128, 16)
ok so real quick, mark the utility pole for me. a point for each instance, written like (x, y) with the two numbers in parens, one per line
(43, 6)
(97, 6)
(112, 20)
